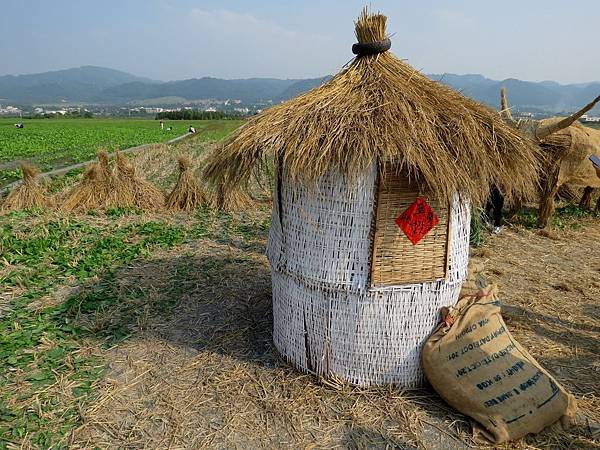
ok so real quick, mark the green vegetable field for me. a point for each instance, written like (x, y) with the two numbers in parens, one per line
(54, 143)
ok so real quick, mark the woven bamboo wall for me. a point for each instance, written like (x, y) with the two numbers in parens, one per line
(326, 240)
(327, 320)
(395, 259)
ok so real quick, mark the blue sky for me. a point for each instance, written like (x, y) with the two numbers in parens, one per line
(176, 39)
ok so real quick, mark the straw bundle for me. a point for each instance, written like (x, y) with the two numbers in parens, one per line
(230, 199)
(130, 190)
(380, 109)
(28, 194)
(187, 194)
(94, 188)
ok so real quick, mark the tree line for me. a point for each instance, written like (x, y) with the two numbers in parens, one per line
(195, 114)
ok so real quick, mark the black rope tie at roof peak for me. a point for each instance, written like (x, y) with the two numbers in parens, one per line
(371, 48)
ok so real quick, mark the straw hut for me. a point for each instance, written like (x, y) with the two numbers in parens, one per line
(376, 171)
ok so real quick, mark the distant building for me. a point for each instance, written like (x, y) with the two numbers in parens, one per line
(153, 110)
(9, 110)
(589, 119)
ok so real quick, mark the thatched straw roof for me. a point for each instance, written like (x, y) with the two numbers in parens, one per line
(378, 108)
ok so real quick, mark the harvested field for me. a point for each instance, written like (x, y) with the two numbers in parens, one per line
(200, 370)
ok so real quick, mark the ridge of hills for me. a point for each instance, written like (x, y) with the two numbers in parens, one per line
(100, 85)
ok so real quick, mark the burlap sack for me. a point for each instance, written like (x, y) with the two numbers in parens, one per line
(477, 367)
(475, 278)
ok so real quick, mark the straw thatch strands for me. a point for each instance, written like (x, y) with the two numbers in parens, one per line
(28, 194)
(131, 190)
(375, 171)
(187, 194)
(121, 187)
(94, 188)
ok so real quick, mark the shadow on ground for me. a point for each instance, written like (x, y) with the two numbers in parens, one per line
(578, 372)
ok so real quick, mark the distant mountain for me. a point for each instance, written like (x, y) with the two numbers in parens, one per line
(79, 84)
(302, 86)
(544, 96)
(251, 90)
(91, 84)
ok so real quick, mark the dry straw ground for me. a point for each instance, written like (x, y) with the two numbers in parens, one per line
(205, 373)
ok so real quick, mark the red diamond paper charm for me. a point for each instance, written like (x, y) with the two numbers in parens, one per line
(417, 220)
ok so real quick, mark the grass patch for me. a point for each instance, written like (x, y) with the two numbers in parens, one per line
(567, 216)
(476, 238)
(51, 342)
(47, 362)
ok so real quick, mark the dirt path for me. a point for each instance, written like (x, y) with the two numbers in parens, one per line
(204, 374)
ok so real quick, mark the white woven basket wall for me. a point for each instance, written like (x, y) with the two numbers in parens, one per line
(327, 320)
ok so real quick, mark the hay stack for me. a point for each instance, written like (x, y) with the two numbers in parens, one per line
(94, 188)
(131, 190)
(187, 194)
(28, 194)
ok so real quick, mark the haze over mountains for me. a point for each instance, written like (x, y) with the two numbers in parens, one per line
(98, 85)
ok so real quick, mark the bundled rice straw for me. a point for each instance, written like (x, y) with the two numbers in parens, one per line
(380, 109)
(130, 190)
(28, 194)
(187, 194)
(230, 199)
(94, 188)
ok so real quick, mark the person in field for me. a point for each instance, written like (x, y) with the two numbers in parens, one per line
(493, 209)
(191, 129)
(162, 125)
